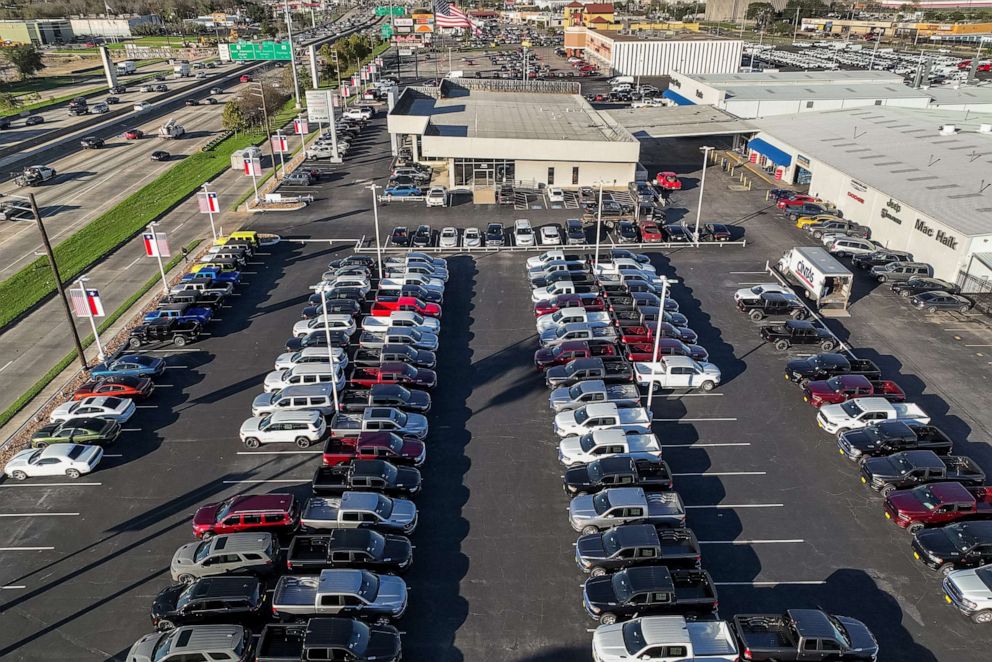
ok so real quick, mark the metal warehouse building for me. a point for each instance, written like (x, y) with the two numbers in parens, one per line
(920, 179)
(660, 55)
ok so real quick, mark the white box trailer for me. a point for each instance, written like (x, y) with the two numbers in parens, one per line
(825, 280)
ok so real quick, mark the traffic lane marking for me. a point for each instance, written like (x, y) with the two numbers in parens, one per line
(6, 365)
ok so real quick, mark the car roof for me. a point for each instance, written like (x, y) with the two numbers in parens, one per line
(610, 436)
(853, 381)
(812, 623)
(921, 459)
(330, 632)
(240, 542)
(340, 581)
(206, 638)
(295, 416)
(352, 539)
(361, 500)
(799, 324)
(774, 296)
(615, 463)
(636, 535)
(954, 492)
(650, 578)
(307, 389)
(57, 450)
(224, 587)
(258, 502)
(626, 496)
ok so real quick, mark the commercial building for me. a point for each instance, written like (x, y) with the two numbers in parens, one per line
(111, 26)
(763, 94)
(918, 178)
(588, 15)
(734, 10)
(40, 31)
(531, 134)
(657, 55)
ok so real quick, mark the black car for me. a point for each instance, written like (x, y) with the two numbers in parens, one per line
(353, 293)
(192, 102)
(33, 120)
(616, 471)
(208, 600)
(91, 142)
(160, 155)
(495, 236)
(826, 365)
(161, 88)
(798, 332)
(889, 437)
(360, 260)
(164, 329)
(110, 101)
(119, 89)
(423, 236)
(919, 285)
(367, 475)
(335, 306)
(676, 233)
(350, 548)
(636, 544)
(715, 232)
(960, 545)
(937, 300)
(648, 591)
(400, 237)
(773, 304)
(422, 293)
(318, 339)
(628, 232)
(880, 258)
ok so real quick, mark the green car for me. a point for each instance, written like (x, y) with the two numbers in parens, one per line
(77, 431)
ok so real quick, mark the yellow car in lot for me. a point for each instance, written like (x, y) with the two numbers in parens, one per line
(803, 221)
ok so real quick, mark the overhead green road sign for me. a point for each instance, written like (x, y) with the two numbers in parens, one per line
(384, 11)
(386, 31)
(254, 50)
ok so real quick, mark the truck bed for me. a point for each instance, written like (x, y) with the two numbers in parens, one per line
(319, 512)
(693, 586)
(963, 468)
(281, 643)
(308, 550)
(292, 591)
(622, 392)
(763, 632)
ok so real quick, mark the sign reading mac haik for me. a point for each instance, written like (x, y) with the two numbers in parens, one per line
(939, 235)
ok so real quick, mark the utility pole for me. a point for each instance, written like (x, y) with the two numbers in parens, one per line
(702, 182)
(58, 280)
(265, 121)
(292, 59)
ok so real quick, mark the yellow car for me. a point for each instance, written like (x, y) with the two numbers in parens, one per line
(803, 221)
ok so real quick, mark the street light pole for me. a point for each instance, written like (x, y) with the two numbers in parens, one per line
(292, 54)
(268, 132)
(330, 350)
(599, 224)
(158, 253)
(58, 280)
(657, 340)
(702, 182)
(375, 216)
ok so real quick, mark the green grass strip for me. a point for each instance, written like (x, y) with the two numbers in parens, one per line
(69, 358)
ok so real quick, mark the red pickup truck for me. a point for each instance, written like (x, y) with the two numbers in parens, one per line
(666, 347)
(936, 504)
(842, 388)
(383, 306)
(375, 446)
(394, 372)
(593, 304)
(547, 357)
(636, 333)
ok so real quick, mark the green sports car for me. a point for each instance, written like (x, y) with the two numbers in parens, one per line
(77, 431)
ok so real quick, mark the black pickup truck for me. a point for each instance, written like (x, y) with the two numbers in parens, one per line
(890, 437)
(318, 339)
(826, 365)
(911, 468)
(163, 330)
(420, 358)
(772, 304)
(193, 298)
(350, 548)
(616, 471)
(386, 395)
(798, 332)
(631, 545)
(609, 369)
(804, 634)
(334, 307)
(649, 591)
(328, 639)
(367, 476)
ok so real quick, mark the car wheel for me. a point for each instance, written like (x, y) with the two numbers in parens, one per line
(945, 569)
(931, 309)
(882, 279)
(134, 343)
(888, 489)
(984, 616)
(185, 579)
(782, 345)
(252, 442)
(817, 235)
(798, 314)
(756, 315)
(706, 386)
(72, 473)
(589, 530)
(827, 345)
(179, 341)
(963, 309)
(914, 527)
(597, 572)
(608, 618)
(164, 625)
(302, 442)
(903, 293)
(19, 475)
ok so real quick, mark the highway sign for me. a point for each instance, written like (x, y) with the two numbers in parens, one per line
(386, 31)
(243, 51)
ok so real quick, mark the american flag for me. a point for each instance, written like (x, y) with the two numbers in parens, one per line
(450, 16)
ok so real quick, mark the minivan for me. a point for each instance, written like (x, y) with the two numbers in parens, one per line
(575, 232)
(901, 271)
(318, 397)
(848, 246)
(523, 233)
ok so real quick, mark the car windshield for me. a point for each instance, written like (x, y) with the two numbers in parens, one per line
(621, 587)
(359, 639)
(162, 647)
(581, 415)
(370, 586)
(961, 537)
(201, 551)
(560, 333)
(902, 464)
(611, 544)
(571, 368)
(926, 497)
(835, 383)
(633, 638)
(601, 502)
(383, 507)
(576, 391)
(594, 472)
(225, 506)
(184, 598)
(757, 289)
(376, 545)
(985, 574)
(75, 452)
(587, 442)
(852, 408)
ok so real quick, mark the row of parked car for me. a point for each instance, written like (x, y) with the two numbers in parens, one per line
(348, 128)
(72, 443)
(354, 379)
(646, 586)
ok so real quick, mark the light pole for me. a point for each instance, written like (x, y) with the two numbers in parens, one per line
(89, 314)
(158, 252)
(292, 54)
(599, 224)
(375, 216)
(657, 339)
(330, 349)
(265, 122)
(210, 212)
(702, 182)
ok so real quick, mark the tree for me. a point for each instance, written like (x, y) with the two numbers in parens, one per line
(25, 58)
(233, 118)
(9, 101)
(757, 9)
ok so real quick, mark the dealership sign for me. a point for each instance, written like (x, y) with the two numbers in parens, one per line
(939, 235)
(894, 206)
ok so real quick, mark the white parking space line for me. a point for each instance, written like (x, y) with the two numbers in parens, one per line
(783, 541)
(177, 367)
(809, 582)
(713, 445)
(268, 480)
(113, 455)
(146, 406)
(26, 549)
(5, 365)
(720, 506)
(725, 473)
(130, 429)
(690, 420)
(73, 484)
(749, 272)
(978, 345)
(11, 588)
(688, 395)
(39, 514)
(279, 453)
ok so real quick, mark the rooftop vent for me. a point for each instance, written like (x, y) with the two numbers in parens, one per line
(948, 129)
(985, 128)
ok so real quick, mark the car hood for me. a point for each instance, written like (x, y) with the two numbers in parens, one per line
(419, 400)
(569, 448)
(184, 555)
(294, 345)
(798, 365)
(591, 547)
(904, 501)
(560, 395)
(548, 335)
(565, 419)
(392, 591)
(397, 550)
(581, 508)
(21, 459)
(63, 409)
(166, 600)
(274, 379)
(599, 590)
(206, 515)
(834, 413)
(820, 387)
(937, 542)
(143, 648)
(555, 373)
(263, 400)
(543, 355)
(384, 643)
(284, 361)
(46, 431)
(250, 425)
(404, 512)
(607, 643)
(859, 634)
(408, 478)
(969, 583)
(881, 467)
(416, 423)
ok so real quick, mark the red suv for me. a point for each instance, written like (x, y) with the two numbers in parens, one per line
(247, 513)
(385, 305)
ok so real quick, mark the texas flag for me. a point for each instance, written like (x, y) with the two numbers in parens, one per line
(155, 244)
(87, 303)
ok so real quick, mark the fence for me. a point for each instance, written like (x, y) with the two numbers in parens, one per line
(978, 290)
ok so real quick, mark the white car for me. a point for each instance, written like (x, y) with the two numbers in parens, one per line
(304, 375)
(97, 406)
(70, 460)
(448, 238)
(358, 113)
(646, 103)
(550, 236)
(523, 233)
(333, 321)
(437, 196)
(555, 194)
(311, 355)
(303, 427)
(471, 238)
(141, 105)
(755, 291)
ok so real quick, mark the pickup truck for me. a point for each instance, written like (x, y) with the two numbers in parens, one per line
(339, 592)
(773, 304)
(545, 358)
(590, 513)
(386, 304)
(212, 275)
(180, 312)
(333, 307)
(558, 270)
(590, 391)
(205, 286)
(861, 412)
(841, 388)
(954, 547)
(367, 475)
(359, 510)
(937, 504)
(398, 336)
(602, 416)
(591, 302)
(911, 468)
(395, 372)
(318, 339)
(401, 319)
(646, 304)
(644, 351)
(350, 548)
(557, 335)
(552, 255)
(612, 370)
(636, 544)
(676, 372)
(573, 316)
(420, 358)
(970, 591)
(665, 639)
(579, 277)
(824, 366)
(652, 475)
(649, 590)
(211, 300)
(178, 332)
(804, 634)
(890, 437)
(346, 425)
(385, 395)
(328, 638)
(562, 287)
(375, 445)
(638, 333)
(797, 332)
(606, 443)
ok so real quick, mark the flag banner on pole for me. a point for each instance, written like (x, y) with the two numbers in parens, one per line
(253, 166)
(156, 244)
(300, 126)
(345, 91)
(450, 16)
(372, 68)
(279, 144)
(87, 303)
(208, 202)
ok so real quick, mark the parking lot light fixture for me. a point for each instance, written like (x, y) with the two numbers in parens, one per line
(702, 182)
(375, 217)
(657, 339)
(330, 350)
(599, 223)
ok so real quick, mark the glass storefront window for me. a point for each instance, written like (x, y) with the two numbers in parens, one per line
(483, 172)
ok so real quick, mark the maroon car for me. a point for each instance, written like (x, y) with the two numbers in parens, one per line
(247, 513)
(393, 372)
(546, 357)
(121, 387)
(375, 446)
(666, 347)
(937, 504)
(842, 388)
(548, 306)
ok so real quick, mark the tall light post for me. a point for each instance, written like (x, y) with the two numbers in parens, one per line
(292, 54)
(330, 349)
(599, 224)
(375, 217)
(702, 182)
(265, 122)
(657, 339)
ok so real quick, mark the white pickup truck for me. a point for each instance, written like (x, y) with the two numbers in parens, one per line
(605, 443)
(602, 416)
(401, 318)
(671, 372)
(861, 412)
(569, 315)
(665, 639)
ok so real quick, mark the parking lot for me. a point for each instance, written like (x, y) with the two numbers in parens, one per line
(783, 520)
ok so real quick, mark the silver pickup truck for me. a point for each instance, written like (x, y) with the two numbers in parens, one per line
(360, 510)
(590, 391)
(340, 592)
(590, 513)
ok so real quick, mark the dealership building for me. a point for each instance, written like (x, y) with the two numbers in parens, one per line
(659, 54)
(531, 134)
(920, 179)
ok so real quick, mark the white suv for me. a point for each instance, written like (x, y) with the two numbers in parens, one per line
(523, 233)
(302, 427)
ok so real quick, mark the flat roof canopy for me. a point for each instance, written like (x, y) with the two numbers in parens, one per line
(679, 122)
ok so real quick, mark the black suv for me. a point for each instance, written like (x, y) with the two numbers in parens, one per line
(772, 304)
(424, 236)
(178, 332)
(495, 235)
(880, 257)
(798, 332)
(208, 600)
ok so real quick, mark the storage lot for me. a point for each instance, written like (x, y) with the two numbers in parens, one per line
(784, 520)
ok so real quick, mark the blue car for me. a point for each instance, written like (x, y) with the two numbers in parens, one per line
(403, 191)
(130, 365)
(181, 312)
(233, 277)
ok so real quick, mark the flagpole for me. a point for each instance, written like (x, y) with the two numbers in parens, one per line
(89, 313)
(158, 256)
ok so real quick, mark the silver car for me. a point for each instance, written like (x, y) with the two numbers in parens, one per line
(448, 238)
(235, 553)
(471, 238)
(589, 513)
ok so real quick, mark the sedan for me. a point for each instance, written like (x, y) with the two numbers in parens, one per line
(91, 142)
(628, 232)
(210, 101)
(472, 238)
(937, 300)
(192, 102)
(715, 232)
(69, 460)
(130, 365)
(33, 120)
(134, 134)
(160, 155)
(98, 406)
(549, 235)
(448, 238)
(677, 234)
(423, 236)
(919, 285)
(77, 431)
(216, 90)
(121, 387)
(650, 232)
(111, 100)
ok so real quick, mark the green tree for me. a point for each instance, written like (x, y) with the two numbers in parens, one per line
(758, 9)
(233, 117)
(25, 58)
(9, 101)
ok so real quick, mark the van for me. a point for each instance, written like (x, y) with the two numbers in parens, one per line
(901, 271)
(848, 246)
(523, 233)
(318, 397)
(194, 642)
(575, 233)
(617, 80)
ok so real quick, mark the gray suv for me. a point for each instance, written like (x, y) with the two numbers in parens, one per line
(233, 554)
(193, 642)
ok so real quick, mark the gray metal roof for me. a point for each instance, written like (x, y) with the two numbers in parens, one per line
(946, 95)
(340, 581)
(815, 92)
(797, 78)
(678, 121)
(901, 152)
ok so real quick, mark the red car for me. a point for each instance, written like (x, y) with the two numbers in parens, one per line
(650, 232)
(798, 199)
(245, 78)
(546, 357)
(635, 334)
(375, 446)
(134, 134)
(668, 181)
(842, 388)
(936, 504)
(385, 305)
(247, 513)
(393, 372)
(548, 306)
(666, 347)
(122, 387)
